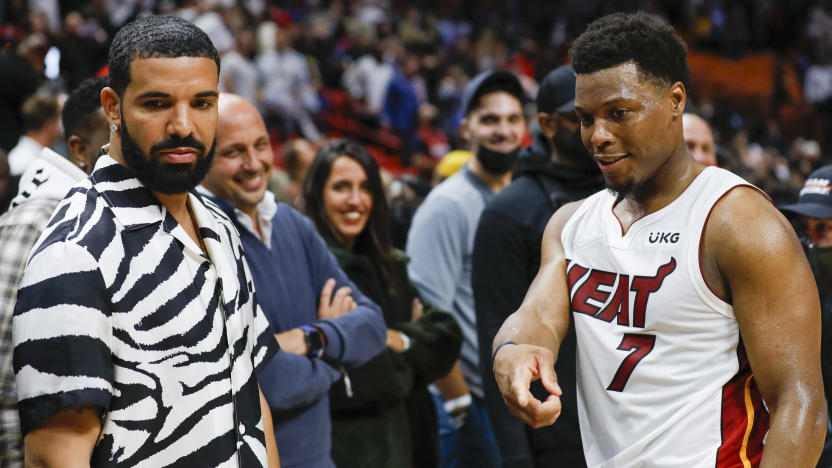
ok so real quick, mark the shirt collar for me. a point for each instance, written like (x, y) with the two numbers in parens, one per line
(132, 204)
(266, 210)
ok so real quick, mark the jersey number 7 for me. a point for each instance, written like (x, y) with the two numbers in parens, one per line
(640, 345)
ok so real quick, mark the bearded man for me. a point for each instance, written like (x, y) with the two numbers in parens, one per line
(136, 329)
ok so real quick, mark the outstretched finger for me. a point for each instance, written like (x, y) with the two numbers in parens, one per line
(520, 389)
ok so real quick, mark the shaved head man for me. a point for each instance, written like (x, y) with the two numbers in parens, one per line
(242, 174)
(305, 296)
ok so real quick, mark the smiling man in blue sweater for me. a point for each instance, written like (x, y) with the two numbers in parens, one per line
(323, 323)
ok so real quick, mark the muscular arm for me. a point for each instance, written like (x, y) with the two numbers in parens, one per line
(538, 327)
(761, 267)
(66, 439)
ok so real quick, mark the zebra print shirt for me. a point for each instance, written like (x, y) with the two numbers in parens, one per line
(119, 308)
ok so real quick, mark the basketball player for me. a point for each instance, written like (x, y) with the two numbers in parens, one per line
(696, 314)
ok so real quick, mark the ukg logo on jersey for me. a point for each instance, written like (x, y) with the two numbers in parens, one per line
(663, 237)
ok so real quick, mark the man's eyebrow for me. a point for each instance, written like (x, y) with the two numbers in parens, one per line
(159, 94)
(615, 100)
(608, 102)
(491, 113)
(153, 94)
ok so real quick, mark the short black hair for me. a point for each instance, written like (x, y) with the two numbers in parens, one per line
(646, 40)
(38, 110)
(155, 37)
(81, 106)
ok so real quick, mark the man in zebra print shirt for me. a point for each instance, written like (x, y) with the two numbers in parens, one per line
(136, 330)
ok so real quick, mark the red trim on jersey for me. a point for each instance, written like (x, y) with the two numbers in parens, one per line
(702, 236)
(744, 422)
(620, 224)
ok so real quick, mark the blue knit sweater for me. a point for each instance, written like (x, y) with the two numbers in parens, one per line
(288, 279)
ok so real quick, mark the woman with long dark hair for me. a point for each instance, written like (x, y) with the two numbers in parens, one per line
(382, 412)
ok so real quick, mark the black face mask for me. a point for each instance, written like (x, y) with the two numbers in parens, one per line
(496, 162)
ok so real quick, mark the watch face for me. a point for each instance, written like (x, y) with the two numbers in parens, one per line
(314, 344)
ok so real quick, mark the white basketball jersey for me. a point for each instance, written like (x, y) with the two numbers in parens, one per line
(663, 380)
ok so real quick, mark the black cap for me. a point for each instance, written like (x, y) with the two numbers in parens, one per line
(816, 196)
(508, 83)
(557, 91)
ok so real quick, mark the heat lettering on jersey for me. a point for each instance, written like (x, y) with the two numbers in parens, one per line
(618, 307)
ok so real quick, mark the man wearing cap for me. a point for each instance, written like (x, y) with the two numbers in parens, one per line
(813, 213)
(506, 259)
(441, 242)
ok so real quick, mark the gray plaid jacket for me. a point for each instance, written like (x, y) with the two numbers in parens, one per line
(19, 229)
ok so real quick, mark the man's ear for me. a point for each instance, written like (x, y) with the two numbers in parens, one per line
(547, 124)
(77, 146)
(111, 104)
(678, 97)
(463, 130)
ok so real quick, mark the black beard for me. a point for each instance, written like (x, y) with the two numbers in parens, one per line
(168, 178)
(622, 191)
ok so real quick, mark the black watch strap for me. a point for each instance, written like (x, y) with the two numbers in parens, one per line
(314, 341)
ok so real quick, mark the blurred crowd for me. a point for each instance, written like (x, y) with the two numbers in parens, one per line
(390, 74)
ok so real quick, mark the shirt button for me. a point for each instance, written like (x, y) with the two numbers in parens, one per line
(242, 429)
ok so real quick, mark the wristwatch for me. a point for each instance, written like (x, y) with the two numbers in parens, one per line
(314, 341)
